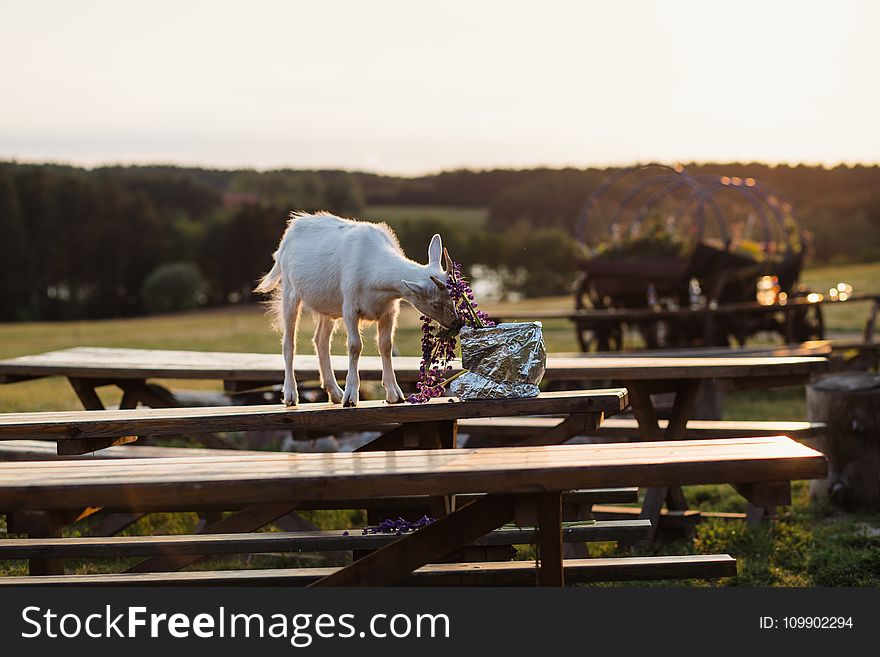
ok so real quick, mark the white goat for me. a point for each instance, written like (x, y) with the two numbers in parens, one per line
(357, 271)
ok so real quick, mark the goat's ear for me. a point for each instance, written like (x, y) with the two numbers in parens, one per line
(415, 288)
(435, 250)
(448, 261)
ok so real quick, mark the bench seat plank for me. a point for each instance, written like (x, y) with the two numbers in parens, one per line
(508, 427)
(142, 483)
(172, 421)
(508, 573)
(304, 541)
(41, 450)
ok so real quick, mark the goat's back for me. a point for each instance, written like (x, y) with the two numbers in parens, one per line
(321, 255)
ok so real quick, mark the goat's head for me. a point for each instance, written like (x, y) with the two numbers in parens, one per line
(429, 295)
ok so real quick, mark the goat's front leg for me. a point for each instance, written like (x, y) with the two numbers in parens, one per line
(290, 308)
(323, 334)
(353, 381)
(385, 340)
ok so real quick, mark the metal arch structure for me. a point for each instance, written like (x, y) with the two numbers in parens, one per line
(675, 177)
(774, 210)
(727, 274)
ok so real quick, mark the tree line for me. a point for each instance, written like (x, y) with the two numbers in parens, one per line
(118, 241)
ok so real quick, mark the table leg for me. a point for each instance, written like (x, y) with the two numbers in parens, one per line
(396, 560)
(439, 434)
(649, 428)
(871, 322)
(88, 396)
(549, 543)
(436, 434)
(40, 524)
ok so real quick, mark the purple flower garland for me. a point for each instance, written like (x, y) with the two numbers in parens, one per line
(438, 344)
(398, 526)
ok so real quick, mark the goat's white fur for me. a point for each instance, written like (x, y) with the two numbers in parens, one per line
(355, 270)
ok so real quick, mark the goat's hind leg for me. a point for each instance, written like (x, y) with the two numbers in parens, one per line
(323, 335)
(291, 305)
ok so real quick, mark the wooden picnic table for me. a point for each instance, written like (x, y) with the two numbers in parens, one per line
(89, 367)
(643, 376)
(520, 482)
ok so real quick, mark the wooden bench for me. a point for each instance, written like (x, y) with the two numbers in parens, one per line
(428, 425)
(524, 484)
(508, 573)
(489, 432)
(272, 542)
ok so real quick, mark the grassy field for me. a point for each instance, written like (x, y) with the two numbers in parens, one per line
(808, 546)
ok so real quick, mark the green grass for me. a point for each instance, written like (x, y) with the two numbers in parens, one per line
(845, 317)
(808, 546)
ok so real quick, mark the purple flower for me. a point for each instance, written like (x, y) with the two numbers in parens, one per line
(438, 344)
(398, 526)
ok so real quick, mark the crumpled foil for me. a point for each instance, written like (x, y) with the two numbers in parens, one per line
(502, 362)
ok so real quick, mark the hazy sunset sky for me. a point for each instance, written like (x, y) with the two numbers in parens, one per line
(411, 87)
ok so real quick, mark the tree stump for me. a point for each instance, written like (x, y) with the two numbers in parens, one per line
(849, 404)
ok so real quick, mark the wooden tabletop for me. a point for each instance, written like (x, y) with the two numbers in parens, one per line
(107, 363)
(172, 421)
(142, 483)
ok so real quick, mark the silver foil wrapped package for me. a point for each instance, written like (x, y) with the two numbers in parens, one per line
(503, 361)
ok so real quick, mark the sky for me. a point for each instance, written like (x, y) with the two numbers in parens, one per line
(407, 87)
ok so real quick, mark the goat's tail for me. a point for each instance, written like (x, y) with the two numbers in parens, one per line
(271, 280)
(271, 284)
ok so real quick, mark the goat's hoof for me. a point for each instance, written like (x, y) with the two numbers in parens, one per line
(350, 398)
(335, 395)
(290, 399)
(395, 397)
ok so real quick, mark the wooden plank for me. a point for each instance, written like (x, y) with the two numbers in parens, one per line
(685, 520)
(41, 450)
(673, 519)
(625, 428)
(248, 519)
(292, 541)
(139, 484)
(509, 573)
(93, 362)
(396, 560)
(580, 499)
(171, 421)
(156, 396)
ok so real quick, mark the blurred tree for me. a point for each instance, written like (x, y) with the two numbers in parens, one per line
(15, 286)
(174, 287)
